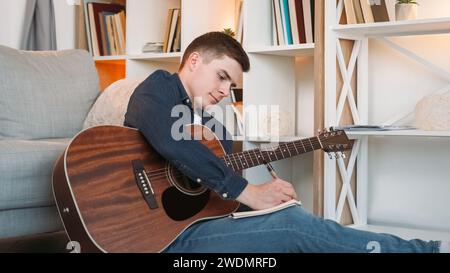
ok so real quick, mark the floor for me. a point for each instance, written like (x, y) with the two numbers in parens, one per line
(55, 242)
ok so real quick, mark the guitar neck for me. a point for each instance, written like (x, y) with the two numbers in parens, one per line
(256, 157)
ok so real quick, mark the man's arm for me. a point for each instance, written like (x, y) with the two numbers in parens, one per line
(150, 112)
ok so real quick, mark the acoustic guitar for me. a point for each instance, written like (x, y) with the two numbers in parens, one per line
(115, 193)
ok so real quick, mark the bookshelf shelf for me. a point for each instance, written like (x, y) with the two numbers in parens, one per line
(398, 28)
(406, 233)
(416, 133)
(110, 58)
(158, 57)
(285, 50)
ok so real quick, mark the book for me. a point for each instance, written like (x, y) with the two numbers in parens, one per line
(284, 6)
(308, 21)
(173, 28)
(153, 47)
(294, 23)
(350, 12)
(300, 21)
(97, 10)
(279, 22)
(87, 20)
(167, 30)
(358, 11)
(313, 22)
(367, 11)
(244, 214)
(275, 40)
(379, 10)
(240, 24)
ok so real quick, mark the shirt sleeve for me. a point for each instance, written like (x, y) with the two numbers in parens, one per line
(150, 112)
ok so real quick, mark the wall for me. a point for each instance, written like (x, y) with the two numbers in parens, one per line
(11, 23)
(65, 24)
(409, 178)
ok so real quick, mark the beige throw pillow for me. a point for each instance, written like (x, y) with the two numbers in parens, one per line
(111, 106)
(433, 113)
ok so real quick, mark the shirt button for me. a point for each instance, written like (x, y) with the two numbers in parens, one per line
(187, 100)
(225, 195)
(199, 180)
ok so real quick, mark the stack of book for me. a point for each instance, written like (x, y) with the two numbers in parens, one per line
(366, 11)
(105, 27)
(155, 47)
(292, 21)
(172, 37)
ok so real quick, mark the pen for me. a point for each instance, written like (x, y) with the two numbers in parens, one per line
(271, 170)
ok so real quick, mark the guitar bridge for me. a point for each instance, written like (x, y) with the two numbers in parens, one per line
(144, 184)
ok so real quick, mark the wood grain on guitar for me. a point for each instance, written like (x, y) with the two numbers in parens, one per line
(106, 206)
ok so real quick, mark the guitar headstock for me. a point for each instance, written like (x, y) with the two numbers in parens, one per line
(335, 141)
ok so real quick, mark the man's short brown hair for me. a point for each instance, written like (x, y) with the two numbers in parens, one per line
(216, 45)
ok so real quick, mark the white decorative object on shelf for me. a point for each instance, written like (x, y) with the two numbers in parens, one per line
(433, 113)
(406, 11)
(275, 124)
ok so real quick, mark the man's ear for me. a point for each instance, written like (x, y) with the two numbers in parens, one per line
(193, 60)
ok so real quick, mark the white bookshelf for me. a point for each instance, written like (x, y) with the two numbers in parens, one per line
(395, 28)
(110, 58)
(391, 166)
(173, 57)
(279, 76)
(301, 50)
(146, 22)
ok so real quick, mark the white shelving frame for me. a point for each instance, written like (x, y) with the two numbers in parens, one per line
(272, 78)
(361, 33)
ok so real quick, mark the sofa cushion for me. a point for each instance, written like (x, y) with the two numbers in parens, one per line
(45, 94)
(19, 222)
(26, 168)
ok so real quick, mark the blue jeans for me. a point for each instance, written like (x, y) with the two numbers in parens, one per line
(290, 230)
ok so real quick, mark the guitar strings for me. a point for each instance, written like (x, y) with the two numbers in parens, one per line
(161, 173)
(249, 156)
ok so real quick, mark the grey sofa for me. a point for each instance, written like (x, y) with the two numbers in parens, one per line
(44, 99)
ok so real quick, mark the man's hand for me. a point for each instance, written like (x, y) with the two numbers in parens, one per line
(267, 195)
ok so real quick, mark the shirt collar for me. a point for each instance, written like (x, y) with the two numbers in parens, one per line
(182, 94)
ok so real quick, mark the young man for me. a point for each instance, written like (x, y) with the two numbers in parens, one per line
(211, 65)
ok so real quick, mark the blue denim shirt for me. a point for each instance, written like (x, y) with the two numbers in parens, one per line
(149, 111)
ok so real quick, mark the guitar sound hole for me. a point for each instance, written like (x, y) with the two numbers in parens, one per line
(183, 183)
(179, 206)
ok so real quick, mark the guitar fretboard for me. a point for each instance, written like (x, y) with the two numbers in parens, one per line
(255, 157)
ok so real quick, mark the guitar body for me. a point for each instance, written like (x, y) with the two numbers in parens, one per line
(107, 205)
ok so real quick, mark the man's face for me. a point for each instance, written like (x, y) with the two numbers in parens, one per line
(213, 80)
